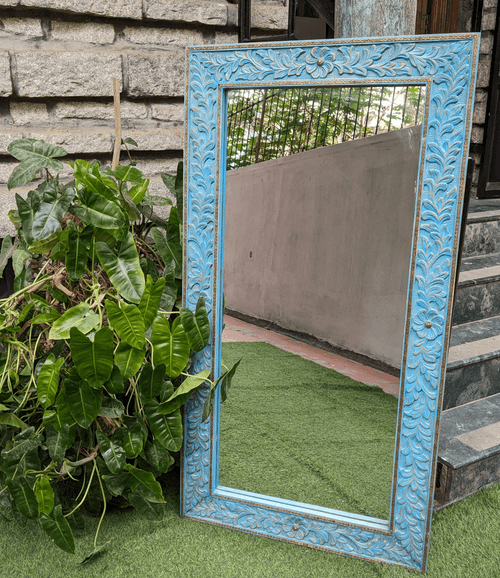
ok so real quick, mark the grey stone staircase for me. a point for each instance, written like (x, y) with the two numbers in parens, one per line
(471, 401)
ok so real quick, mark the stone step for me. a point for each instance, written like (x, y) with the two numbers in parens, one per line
(469, 450)
(473, 369)
(482, 234)
(478, 291)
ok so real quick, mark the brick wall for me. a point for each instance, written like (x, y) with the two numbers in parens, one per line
(58, 59)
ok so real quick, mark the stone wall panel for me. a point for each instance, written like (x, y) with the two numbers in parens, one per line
(5, 79)
(6, 137)
(25, 26)
(168, 112)
(110, 8)
(199, 11)
(483, 73)
(98, 111)
(488, 21)
(486, 46)
(67, 74)
(158, 140)
(163, 36)
(159, 74)
(94, 32)
(269, 17)
(29, 112)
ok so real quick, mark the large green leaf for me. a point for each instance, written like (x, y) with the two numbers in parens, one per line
(58, 530)
(79, 316)
(83, 401)
(97, 183)
(158, 456)
(113, 408)
(24, 173)
(196, 325)
(170, 290)
(48, 380)
(115, 383)
(52, 209)
(19, 449)
(167, 429)
(127, 174)
(151, 380)
(129, 359)
(6, 252)
(44, 495)
(170, 346)
(19, 258)
(150, 300)
(37, 151)
(175, 185)
(128, 322)
(27, 209)
(225, 383)
(138, 191)
(101, 212)
(78, 250)
(116, 483)
(150, 268)
(18, 469)
(169, 250)
(58, 441)
(61, 249)
(45, 246)
(34, 156)
(174, 227)
(123, 269)
(62, 409)
(182, 393)
(130, 438)
(150, 510)
(149, 487)
(113, 454)
(12, 420)
(24, 497)
(93, 359)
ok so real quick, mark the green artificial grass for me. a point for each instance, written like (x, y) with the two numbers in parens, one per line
(464, 544)
(297, 430)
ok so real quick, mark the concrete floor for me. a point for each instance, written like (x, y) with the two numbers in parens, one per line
(237, 330)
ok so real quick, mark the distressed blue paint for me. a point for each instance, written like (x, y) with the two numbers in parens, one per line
(448, 66)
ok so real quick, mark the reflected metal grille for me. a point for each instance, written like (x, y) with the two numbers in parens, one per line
(264, 124)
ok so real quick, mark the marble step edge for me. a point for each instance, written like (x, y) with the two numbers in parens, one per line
(485, 217)
(480, 276)
(473, 352)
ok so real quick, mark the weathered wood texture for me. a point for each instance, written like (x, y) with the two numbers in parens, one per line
(362, 18)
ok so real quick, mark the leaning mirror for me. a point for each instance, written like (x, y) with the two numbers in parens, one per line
(323, 192)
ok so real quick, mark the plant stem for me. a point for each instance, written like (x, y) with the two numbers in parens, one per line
(86, 492)
(104, 509)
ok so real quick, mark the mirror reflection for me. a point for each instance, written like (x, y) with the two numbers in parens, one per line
(319, 209)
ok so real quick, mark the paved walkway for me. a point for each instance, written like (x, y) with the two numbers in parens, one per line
(237, 330)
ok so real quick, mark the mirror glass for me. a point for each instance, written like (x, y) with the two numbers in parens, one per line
(316, 269)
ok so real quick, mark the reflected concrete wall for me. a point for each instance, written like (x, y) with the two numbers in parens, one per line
(320, 242)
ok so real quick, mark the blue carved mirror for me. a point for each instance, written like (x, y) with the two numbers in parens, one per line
(323, 193)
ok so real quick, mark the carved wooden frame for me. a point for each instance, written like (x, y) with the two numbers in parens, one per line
(447, 66)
